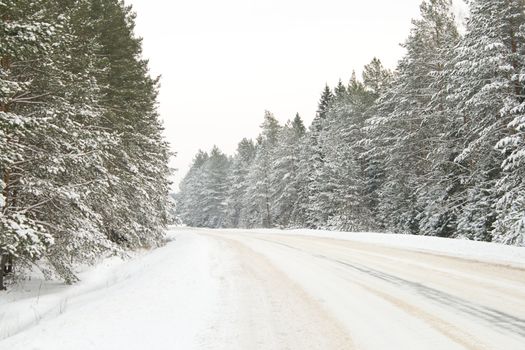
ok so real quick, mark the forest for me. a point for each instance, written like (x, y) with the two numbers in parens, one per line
(83, 163)
(435, 147)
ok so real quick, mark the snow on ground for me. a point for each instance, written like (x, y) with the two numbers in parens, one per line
(484, 251)
(274, 289)
(391, 298)
(160, 298)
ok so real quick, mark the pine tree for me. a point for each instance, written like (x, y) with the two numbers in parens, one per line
(24, 34)
(406, 122)
(216, 184)
(324, 104)
(258, 200)
(41, 195)
(435, 148)
(312, 163)
(138, 173)
(284, 180)
(376, 81)
(376, 78)
(191, 198)
(57, 146)
(241, 164)
(347, 169)
(488, 94)
(327, 199)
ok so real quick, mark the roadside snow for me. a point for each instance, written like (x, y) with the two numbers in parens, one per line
(163, 297)
(26, 303)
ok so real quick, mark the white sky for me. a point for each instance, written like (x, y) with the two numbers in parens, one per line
(224, 62)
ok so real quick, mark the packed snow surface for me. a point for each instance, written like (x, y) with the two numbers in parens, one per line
(272, 289)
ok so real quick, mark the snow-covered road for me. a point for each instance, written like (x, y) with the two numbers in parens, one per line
(232, 289)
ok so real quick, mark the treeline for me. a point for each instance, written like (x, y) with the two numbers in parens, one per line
(436, 147)
(83, 164)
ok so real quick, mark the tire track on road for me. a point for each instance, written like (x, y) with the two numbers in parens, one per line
(495, 318)
(277, 312)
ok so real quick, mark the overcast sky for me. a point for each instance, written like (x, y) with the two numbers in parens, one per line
(223, 63)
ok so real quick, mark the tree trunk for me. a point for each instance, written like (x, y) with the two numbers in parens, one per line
(4, 107)
(3, 261)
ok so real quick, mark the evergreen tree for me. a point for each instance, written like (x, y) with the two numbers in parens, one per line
(435, 148)
(376, 78)
(376, 81)
(240, 168)
(312, 163)
(216, 171)
(25, 34)
(488, 94)
(324, 104)
(191, 198)
(59, 137)
(406, 122)
(259, 195)
(348, 172)
(137, 166)
(284, 179)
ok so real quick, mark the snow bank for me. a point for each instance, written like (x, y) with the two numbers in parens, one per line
(26, 303)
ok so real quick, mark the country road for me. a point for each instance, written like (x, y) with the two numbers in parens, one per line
(240, 290)
(388, 298)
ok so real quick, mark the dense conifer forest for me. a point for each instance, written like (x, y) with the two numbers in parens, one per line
(83, 164)
(435, 147)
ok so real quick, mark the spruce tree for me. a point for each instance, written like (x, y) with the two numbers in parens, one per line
(312, 163)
